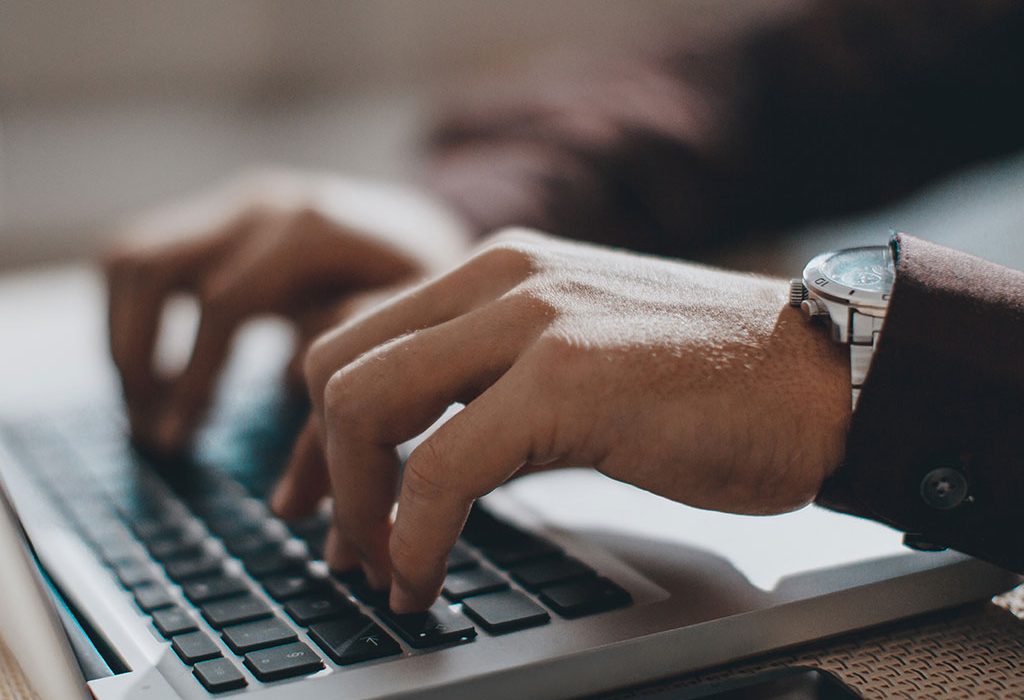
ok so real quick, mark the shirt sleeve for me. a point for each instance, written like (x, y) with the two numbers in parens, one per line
(828, 107)
(936, 445)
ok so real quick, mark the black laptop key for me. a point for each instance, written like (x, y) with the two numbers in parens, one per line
(518, 549)
(233, 611)
(218, 675)
(288, 586)
(134, 574)
(313, 527)
(163, 527)
(462, 584)
(231, 522)
(202, 590)
(278, 561)
(152, 596)
(275, 663)
(316, 545)
(584, 597)
(548, 572)
(194, 646)
(260, 634)
(173, 620)
(194, 567)
(438, 625)
(351, 640)
(255, 541)
(483, 527)
(505, 611)
(318, 607)
(460, 558)
(167, 548)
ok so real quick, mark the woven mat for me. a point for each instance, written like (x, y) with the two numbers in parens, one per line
(12, 680)
(974, 652)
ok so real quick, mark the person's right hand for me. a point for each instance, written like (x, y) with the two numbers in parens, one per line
(301, 246)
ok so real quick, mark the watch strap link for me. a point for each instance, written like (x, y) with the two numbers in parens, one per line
(864, 331)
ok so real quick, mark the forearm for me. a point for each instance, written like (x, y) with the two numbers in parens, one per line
(835, 106)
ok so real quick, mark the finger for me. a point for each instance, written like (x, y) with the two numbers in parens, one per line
(249, 282)
(310, 325)
(473, 453)
(305, 482)
(475, 283)
(138, 288)
(139, 281)
(395, 392)
(135, 302)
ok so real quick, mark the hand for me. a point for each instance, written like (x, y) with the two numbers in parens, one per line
(697, 384)
(303, 246)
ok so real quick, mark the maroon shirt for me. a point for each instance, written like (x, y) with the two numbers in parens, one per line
(835, 106)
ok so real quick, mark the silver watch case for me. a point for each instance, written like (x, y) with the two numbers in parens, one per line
(825, 297)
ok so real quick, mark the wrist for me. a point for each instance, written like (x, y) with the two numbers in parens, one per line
(821, 375)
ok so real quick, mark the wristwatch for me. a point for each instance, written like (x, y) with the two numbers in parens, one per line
(849, 290)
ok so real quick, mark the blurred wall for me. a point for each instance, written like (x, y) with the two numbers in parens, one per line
(107, 107)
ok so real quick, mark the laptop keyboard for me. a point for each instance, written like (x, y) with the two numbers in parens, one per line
(203, 557)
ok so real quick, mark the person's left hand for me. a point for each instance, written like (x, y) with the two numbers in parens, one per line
(698, 384)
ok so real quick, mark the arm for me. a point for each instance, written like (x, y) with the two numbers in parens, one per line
(833, 106)
(945, 390)
(721, 397)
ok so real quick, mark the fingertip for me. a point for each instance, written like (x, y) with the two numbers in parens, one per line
(338, 554)
(404, 600)
(281, 498)
(171, 432)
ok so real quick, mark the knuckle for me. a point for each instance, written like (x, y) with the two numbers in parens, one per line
(561, 351)
(558, 366)
(126, 259)
(217, 298)
(307, 217)
(117, 259)
(421, 481)
(343, 401)
(509, 255)
(532, 301)
(406, 555)
(316, 362)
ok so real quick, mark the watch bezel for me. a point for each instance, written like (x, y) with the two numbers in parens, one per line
(819, 284)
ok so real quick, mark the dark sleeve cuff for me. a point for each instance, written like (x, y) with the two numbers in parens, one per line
(936, 445)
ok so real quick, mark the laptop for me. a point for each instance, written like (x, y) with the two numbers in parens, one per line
(127, 576)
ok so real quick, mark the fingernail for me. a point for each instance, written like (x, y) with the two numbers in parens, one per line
(402, 600)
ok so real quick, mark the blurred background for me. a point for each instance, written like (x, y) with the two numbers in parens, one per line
(107, 107)
(110, 107)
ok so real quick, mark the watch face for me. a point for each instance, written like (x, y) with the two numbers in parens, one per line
(863, 269)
